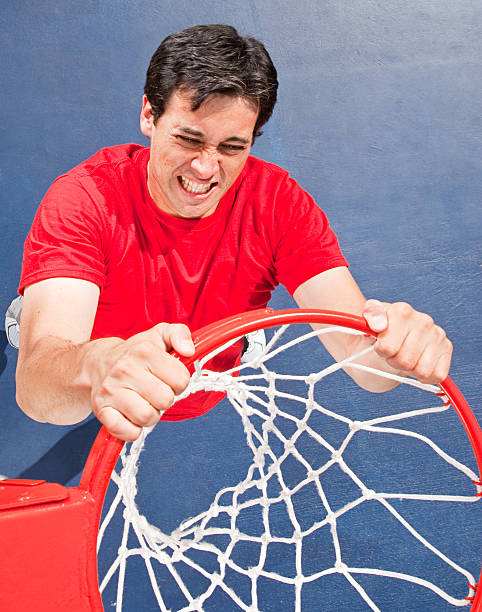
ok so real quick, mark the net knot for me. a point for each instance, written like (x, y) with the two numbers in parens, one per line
(299, 581)
(260, 453)
(264, 502)
(341, 567)
(175, 556)
(214, 511)
(369, 494)
(223, 558)
(252, 572)
(216, 579)
(312, 379)
(198, 534)
(356, 425)
(336, 455)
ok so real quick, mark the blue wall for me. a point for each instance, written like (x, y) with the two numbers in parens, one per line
(378, 117)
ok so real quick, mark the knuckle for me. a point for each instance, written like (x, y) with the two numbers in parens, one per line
(385, 348)
(143, 348)
(440, 333)
(145, 416)
(424, 373)
(105, 390)
(403, 309)
(168, 399)
(441, 373)
(426, 321)
(122, 368)
(407, 362)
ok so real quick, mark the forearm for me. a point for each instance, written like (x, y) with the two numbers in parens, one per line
(407, 341)
(54, 383)
(62, 376)
(336, 290)
(353, 345)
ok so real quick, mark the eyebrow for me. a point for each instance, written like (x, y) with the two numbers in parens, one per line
(196, 134)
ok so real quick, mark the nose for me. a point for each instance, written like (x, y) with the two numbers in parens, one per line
(205, 164)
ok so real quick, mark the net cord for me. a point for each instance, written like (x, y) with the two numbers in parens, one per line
(153, 544)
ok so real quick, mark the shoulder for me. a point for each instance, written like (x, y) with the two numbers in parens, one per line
(103, 179)
(110, 159)
(257, 169)
(271, 184)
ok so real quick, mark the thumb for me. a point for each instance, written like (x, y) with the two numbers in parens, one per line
(177, 337)
(375, 314)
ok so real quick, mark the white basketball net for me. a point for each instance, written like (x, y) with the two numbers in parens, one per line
(255, 395)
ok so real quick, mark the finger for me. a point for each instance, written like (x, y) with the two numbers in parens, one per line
(375, 314)
(165, 369)
(117, 425)
(425, 353)
(400, 324)
(177, 337)
(412, 347)
(434, 363)
(142, 404)
(442, 367)
(145, 356)
(389, 343)
(148, 404)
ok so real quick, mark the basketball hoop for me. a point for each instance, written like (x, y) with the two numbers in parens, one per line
(280, 413)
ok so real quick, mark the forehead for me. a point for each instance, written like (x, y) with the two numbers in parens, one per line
(218, 110)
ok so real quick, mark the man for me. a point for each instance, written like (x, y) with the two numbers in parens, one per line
(136, 246)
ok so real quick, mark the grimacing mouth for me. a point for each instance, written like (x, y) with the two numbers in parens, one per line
(194, 187)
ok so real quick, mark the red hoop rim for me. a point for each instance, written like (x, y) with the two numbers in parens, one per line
(106, 449)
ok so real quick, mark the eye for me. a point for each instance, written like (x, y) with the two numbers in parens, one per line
(232, 149)
(190, 143)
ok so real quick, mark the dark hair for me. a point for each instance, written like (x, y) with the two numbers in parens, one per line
(212, 59)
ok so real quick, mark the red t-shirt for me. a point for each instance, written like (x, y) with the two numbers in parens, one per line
(99, 223)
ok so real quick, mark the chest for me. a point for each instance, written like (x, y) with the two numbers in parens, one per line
(196, 276)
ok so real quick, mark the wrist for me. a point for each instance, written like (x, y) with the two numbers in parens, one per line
(95, 359)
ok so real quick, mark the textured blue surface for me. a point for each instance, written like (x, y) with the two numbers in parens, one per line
(378, 117)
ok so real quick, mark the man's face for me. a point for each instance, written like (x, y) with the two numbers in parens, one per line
(196, 155)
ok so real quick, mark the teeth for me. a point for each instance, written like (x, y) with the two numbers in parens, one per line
(194, 187)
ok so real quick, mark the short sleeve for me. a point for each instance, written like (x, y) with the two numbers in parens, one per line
(65, 238)
(306, 244)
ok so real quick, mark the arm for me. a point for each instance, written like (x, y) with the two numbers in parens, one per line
(63, 376)
(408, 344)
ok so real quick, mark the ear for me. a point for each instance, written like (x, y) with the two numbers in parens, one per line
(146, 118)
